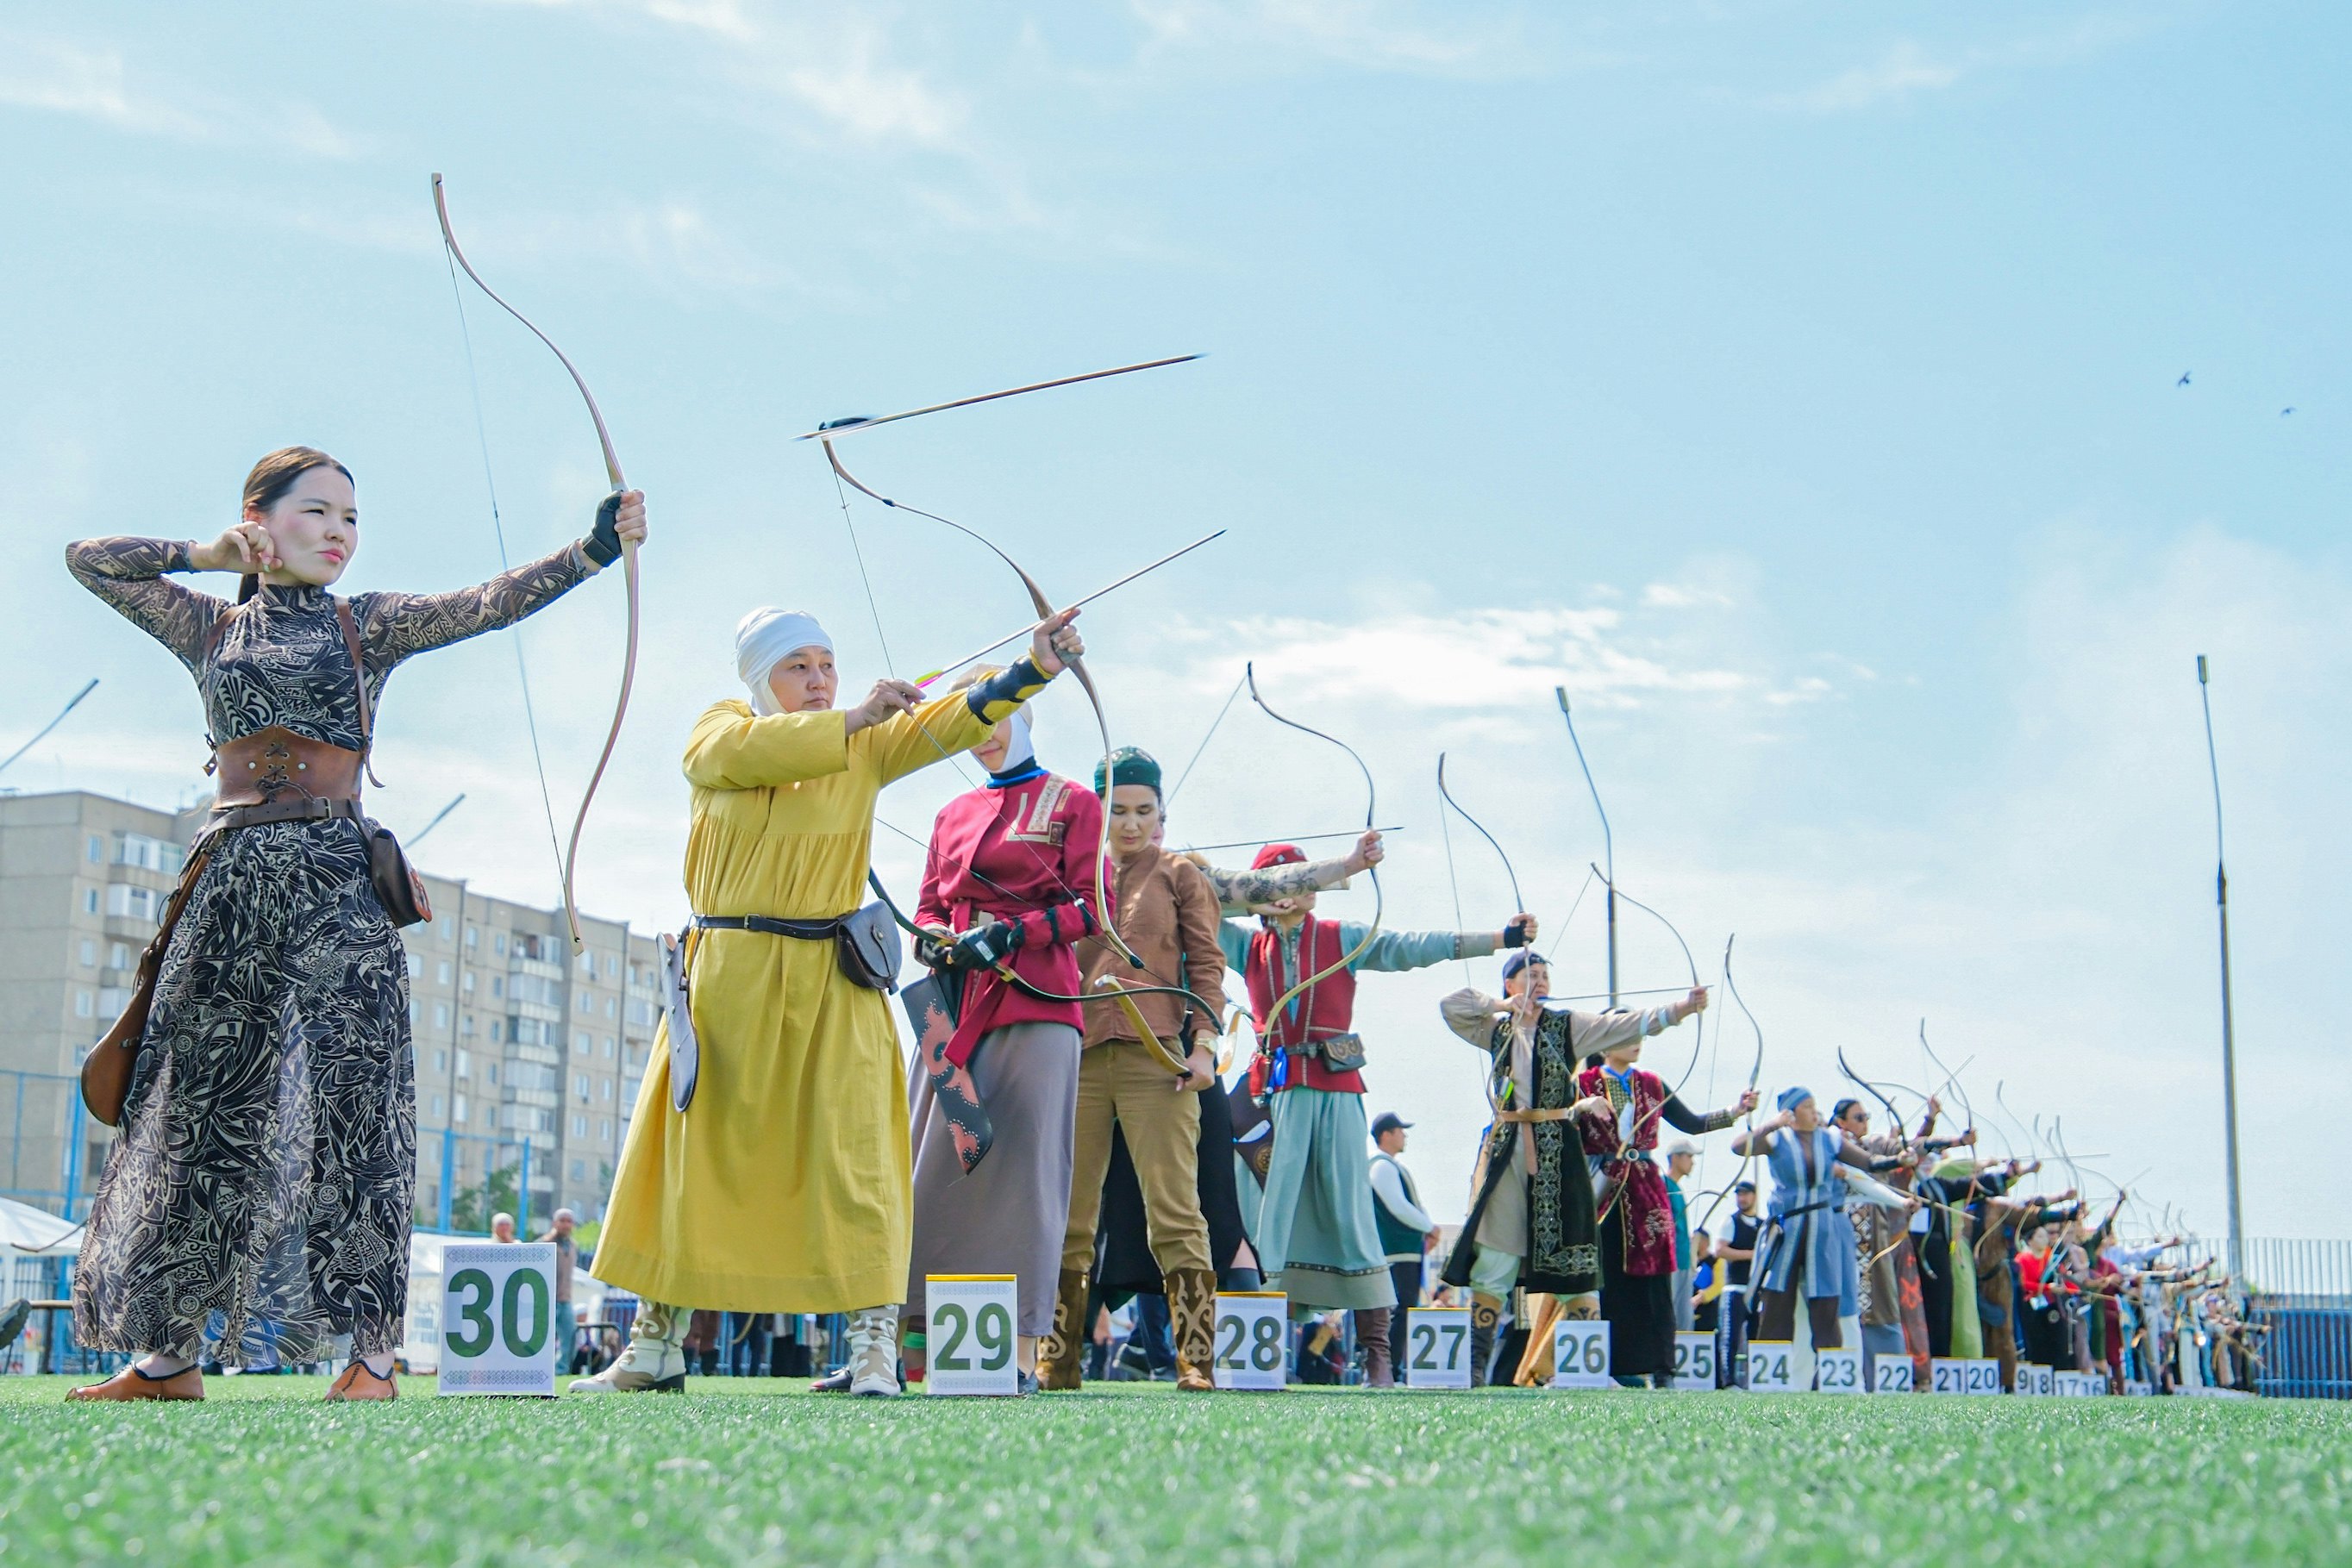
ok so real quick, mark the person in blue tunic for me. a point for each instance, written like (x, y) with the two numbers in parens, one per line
(1806, 1248)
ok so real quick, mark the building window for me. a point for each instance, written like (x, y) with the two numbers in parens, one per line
(440, 1015)
(118, 955)
(415, 966)
(97, 850)
(465, 1064)
(467, 985)
(127, 902)
(608, 1048)
(446, 927)
(88, 954)
(587, 1003)
(473, 935)
(611, 1006)
(90, 900)
(84, 1003)
(579, 1170)
(494, 1073)
(149, 854)
(578, 1129)
(466, 1026)
(441, 973)
(608, 1089)
(497, 985)
(579, 1044)
(460, 1111)
(499, 943)
(436, 1107)
(440, 1062)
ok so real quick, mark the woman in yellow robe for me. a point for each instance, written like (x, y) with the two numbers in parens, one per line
(785, 1186)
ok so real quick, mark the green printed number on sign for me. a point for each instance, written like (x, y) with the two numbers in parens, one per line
(474, 1312)
(992, 1326)
(1425, 1357)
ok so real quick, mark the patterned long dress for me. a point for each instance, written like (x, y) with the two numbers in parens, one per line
(261, 1187)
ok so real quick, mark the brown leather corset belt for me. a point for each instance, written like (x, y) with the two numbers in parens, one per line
(276, 767)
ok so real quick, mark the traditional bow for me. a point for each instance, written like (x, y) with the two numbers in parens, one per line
(628, 560)
(1372, 808)
(826, 436)
(1755, 1071)
(1699, 1033)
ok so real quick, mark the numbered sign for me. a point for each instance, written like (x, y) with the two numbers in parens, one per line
(1770, 1367)
(1579, 1355)
(1437, 1347)
(2035, 1378)
(969, 1332)
(497, 1312)
(1893, 1374)
(1837, 1371)
(1980, 1377)
(1694, 1361)
(2137, 1388)
(1253, 1338)
(1950, 1377)
(2079, 1385)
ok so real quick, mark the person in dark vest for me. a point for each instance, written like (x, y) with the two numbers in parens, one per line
(1316, 1239)
(1404, 1226)
(1532, 1220)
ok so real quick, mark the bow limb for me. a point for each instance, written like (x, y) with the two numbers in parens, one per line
(1699, 1042)
(1755, 1071)
(1372, 809)
(1951, 1075)
(1076, 666)
(628, 560)
(1175, 1063)
(1517, 902)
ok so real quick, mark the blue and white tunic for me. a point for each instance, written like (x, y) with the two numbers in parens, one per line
(1807, 1230)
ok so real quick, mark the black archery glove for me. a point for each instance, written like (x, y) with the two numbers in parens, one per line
(984, 946)
(602, 544)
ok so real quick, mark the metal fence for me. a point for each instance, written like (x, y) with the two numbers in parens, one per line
(43, 1129)
(2299, 1296)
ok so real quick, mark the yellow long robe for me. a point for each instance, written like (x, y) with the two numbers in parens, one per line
(786, 1186)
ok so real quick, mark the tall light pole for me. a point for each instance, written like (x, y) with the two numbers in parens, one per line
(2222, 908)
(1608, 843)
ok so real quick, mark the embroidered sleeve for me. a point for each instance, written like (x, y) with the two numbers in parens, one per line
(1237, 890)
(127, 573)
(397, 626)
(991, 699)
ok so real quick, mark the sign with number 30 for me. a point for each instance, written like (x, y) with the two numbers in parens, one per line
(497, 1311)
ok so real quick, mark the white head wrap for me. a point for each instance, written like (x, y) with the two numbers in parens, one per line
(762, 639)
(1020, 750)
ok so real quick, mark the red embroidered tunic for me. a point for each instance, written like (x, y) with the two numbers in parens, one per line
(1326, 1009)
(1645, 1211)
(1022, 853)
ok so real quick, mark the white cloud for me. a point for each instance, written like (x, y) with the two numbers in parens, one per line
(1372, 35)
(60, 77)
(1908, 68)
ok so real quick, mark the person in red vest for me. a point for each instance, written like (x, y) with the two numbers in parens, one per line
(1318, 1239)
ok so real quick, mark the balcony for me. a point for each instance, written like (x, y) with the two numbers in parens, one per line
(544, 968)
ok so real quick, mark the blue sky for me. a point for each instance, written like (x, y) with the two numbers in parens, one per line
(1795, 382)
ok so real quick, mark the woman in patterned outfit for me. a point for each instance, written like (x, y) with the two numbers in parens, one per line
(266, 1167)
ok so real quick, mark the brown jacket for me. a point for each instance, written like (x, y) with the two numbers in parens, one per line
(1168, 914)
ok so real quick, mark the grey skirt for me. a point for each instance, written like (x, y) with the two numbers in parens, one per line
(1007, 1217)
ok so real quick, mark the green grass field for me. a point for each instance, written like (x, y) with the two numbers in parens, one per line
(745, 1471)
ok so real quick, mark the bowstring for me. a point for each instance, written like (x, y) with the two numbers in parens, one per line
(1445, 831)
(1230, 698)
(498, 531)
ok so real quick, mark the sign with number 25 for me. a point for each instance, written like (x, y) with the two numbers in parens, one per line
(497, 1311)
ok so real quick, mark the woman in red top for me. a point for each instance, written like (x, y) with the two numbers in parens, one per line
(1009, 881)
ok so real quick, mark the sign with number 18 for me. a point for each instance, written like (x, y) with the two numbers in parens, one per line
(498, 1309)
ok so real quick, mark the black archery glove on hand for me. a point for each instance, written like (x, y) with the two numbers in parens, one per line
(984, 946)
(1515, 935)
(932, 950)
(602, 544)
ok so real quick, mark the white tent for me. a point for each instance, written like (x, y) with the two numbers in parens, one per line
(24, 1229)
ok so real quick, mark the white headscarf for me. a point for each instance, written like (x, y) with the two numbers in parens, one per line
(762, 639)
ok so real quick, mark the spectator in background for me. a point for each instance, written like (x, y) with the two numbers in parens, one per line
(502, 1229)
(1681, 1155)
(1707, 1284)
(1404, 1227)
(1738, 1254)
(747, 1343)
(567, 1256)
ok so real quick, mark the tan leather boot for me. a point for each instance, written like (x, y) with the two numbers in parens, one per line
(655, 1361)
(359, 1384)
(1058, 1358)
(1192, 1309)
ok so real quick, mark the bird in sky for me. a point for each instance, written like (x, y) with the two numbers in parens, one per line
(2183, 380)
(2284, 411)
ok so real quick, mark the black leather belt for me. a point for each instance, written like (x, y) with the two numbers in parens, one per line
(806, 930)
(309, 809)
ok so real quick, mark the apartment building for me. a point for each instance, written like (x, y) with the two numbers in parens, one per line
(527, 1056)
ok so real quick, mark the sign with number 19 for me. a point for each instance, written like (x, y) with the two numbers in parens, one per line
(1252, 1343)
(498, 1309)
(968, 1329)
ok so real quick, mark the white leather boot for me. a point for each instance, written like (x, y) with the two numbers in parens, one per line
(655, 1361)
(874, 1351)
